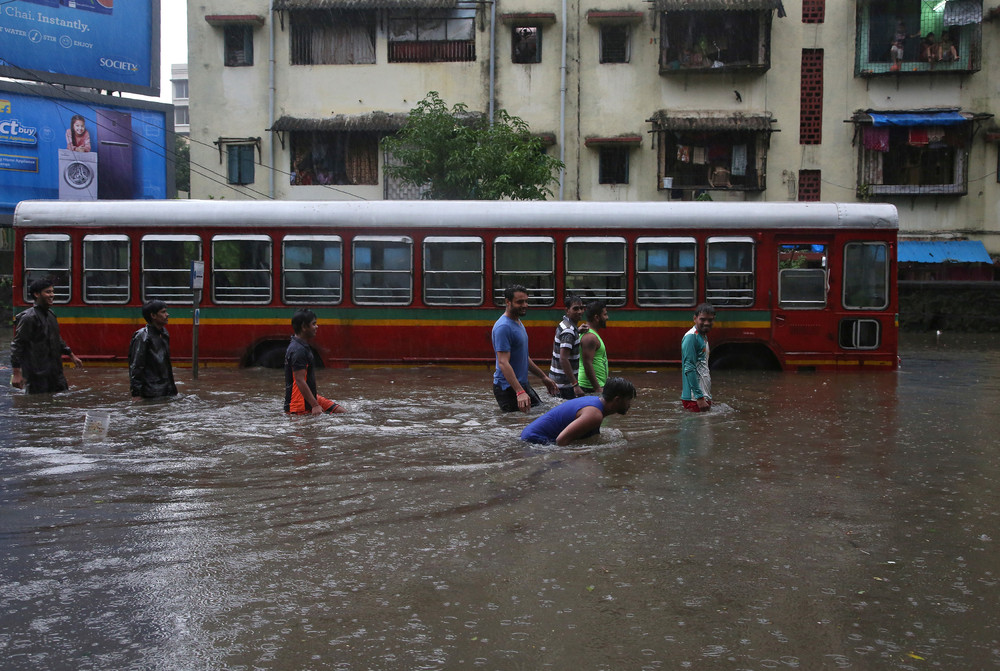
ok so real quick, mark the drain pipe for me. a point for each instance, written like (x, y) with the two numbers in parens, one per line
(271, 94)
(493, 57)
(562, 106)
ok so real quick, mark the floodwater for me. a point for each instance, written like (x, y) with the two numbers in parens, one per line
(811, 521)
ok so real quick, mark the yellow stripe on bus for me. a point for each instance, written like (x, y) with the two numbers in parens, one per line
(837, 362)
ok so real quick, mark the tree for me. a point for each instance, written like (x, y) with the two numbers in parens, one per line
(457, 155)
(182, 163)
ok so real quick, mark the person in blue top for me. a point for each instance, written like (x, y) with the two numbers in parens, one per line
(510, 342)
(581, 417)
(696, 393)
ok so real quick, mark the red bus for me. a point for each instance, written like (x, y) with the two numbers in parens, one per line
(796, 285)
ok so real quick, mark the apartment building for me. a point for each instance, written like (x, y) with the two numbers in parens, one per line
(643, 100)
(179, 98)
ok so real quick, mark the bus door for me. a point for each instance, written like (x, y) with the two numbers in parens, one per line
(803, 322)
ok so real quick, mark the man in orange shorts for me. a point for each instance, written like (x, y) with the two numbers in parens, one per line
(300, 378)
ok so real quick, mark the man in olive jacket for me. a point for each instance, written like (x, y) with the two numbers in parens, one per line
(149, 370)
(37, 349)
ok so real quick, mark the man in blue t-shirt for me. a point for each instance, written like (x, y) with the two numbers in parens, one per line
(581, 417)
(510, 342)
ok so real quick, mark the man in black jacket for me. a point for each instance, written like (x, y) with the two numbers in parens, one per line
(149, 370)
(37, 348)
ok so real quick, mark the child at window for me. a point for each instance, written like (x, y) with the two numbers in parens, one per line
(929, 48)
(946, 49)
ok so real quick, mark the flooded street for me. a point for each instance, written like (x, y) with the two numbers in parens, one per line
(811, 521)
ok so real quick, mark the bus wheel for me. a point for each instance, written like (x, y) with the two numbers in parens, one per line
(744, 357)
(269, 356)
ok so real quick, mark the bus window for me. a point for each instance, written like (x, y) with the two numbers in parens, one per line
(730, 277)
(312, 269)
(866, 276)
(166, 267)
(47, 255)
(802, 278)
(241, 269)
(860, 334)
(453, 271)
(595, 269)
(383, 270)
(528, 261)
(665, 271)
(105, 269)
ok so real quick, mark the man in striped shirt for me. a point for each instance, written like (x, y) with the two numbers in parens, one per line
(566, 350)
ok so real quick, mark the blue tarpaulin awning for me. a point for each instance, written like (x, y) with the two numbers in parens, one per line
(917, 118)
(954, 251)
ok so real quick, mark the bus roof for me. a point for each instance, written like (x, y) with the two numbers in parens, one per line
(506, 215)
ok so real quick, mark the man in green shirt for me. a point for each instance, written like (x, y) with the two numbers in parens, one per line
(696, 392)
(593, 355)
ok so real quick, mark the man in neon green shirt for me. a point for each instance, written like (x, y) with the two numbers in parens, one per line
(593, 355)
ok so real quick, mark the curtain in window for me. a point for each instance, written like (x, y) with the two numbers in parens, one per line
(362, 159)
(963, 12)
(332, 38)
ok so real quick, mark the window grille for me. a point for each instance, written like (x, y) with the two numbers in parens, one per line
(106, 268)
(47, 256)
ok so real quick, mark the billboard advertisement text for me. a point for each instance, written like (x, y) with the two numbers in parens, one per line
(101, 43)
(53, 148)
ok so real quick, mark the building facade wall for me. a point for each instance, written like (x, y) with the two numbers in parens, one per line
(606, 104)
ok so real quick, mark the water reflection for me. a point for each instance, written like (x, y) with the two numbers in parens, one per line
(814, 521)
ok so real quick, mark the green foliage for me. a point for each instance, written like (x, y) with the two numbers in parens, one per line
(456, 155)
(182, 163)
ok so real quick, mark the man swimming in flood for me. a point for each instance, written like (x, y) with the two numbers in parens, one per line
(581, 417)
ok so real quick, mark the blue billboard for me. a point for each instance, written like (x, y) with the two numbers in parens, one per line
(79, 148)
(99, 43)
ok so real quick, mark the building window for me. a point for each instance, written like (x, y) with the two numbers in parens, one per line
(334, 157)
(907, 36)
(106, 268)
(383, 270)
(528, 261)
(702, 153)
(915, 154)
(813, 11)
(166, 267)
(312, 269)
(595, 269)
(432, 36)
(526, 44)
(47, 256)
(240, 168)
(810, 185)
(332, 37)
(802, 276)
(615, 43)
(613, 165)
(180, 89)
(729, 280)
(241, 269)
(714, 40)
(866, 276)
(453, 271)
(665, 272)
(238, 45)
(182, 116)
(811, 97)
